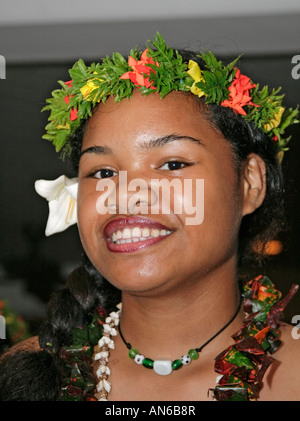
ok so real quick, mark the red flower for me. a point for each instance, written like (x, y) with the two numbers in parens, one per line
(139, 69)
(239, 93)
(73, 112)
(67, 98)
(69, 83)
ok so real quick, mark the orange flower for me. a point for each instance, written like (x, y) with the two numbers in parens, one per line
(139, 70)
(239, 93)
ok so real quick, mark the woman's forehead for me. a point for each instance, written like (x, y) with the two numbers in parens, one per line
(148, 118)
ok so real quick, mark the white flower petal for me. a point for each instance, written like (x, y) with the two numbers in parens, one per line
(62, 214)
(61, 195)
(49, 188)
(71, 185)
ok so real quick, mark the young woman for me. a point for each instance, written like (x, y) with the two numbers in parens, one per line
(186, 328)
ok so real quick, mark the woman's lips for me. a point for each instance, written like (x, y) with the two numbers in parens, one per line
(130, 234)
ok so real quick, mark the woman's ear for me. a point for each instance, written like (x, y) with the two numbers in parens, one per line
(254, 183)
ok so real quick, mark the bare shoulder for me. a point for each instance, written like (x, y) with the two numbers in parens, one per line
(281, 382)
(28, 345)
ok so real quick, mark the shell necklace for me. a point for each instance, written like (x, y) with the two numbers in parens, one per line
(161, 367)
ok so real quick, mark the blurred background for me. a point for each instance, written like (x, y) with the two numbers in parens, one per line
(40, 40)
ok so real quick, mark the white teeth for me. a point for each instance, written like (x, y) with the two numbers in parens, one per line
(129, 235)
(136, 232)
(146, 232)
(126, 233)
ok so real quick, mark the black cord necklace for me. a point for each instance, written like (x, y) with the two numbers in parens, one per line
(164, 366)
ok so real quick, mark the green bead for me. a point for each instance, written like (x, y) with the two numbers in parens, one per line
(176, 364)
(148, 363)
(193, 354)
(132, 353)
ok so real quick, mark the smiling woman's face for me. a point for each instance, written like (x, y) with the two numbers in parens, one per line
(141, 136)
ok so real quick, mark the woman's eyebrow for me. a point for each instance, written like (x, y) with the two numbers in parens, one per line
(98, 150)
(161, 141)
(149, 144)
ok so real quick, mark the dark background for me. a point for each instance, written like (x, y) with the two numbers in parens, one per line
(31, 265)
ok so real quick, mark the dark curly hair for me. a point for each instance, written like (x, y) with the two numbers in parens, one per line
(74, 305)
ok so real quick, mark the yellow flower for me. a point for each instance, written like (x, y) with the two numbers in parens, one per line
(63, 126)
(274, 122)
(195, 72)
(87, 89)
(90, 87)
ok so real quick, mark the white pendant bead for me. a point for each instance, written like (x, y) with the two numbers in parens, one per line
(162, 367)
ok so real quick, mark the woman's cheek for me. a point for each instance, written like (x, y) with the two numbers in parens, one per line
(87, 211)
(181, 197)
(193, 201)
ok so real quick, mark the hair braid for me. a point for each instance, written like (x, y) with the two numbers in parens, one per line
(70, 307)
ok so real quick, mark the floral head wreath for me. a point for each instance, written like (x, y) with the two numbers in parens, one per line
(160, 69)
(157, 69)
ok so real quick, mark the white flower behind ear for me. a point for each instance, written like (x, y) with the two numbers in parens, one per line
(62, 196)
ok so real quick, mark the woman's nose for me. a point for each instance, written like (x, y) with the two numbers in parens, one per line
(132, 196)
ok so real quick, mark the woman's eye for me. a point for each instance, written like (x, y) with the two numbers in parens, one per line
(173, 165)
(105, 173)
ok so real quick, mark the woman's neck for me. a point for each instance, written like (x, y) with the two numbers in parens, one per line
(167, 325)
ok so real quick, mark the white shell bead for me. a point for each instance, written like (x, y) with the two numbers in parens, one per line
(103, 369)
(103, 384)
(101, 354)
